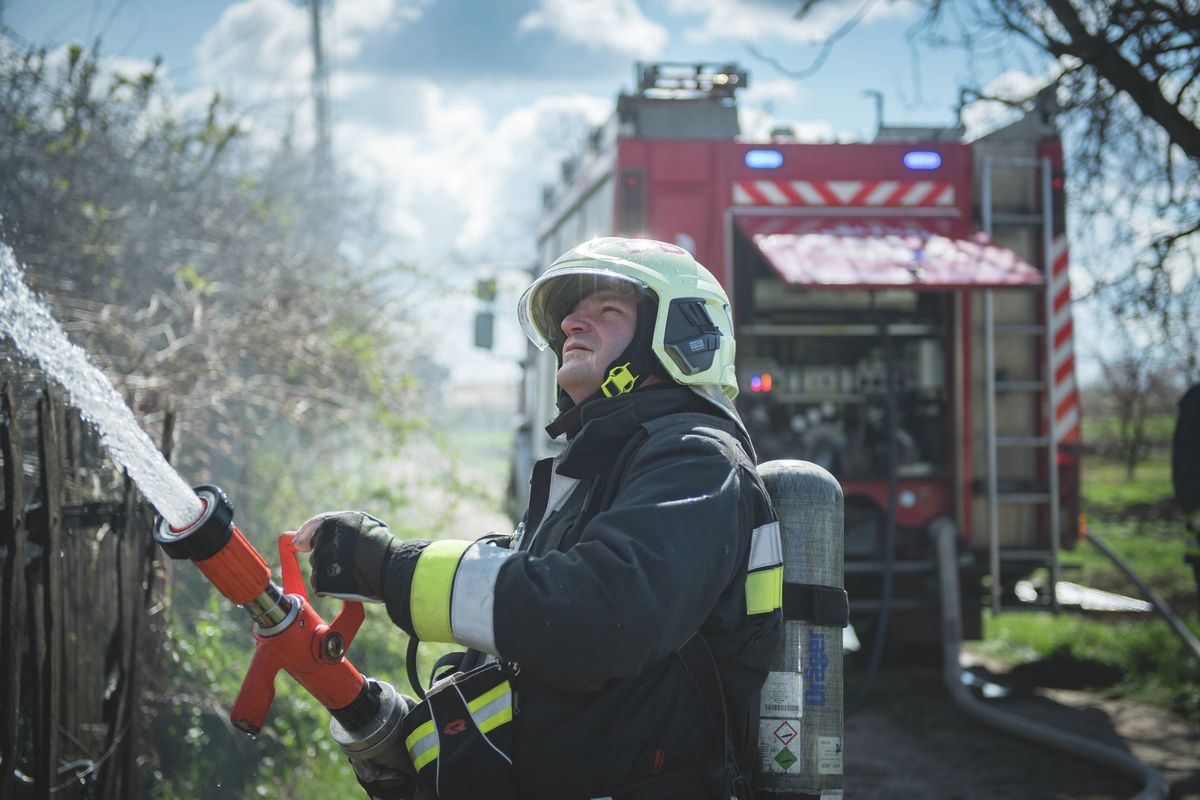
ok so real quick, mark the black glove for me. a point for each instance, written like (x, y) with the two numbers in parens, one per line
(384, 784)
(356, 557)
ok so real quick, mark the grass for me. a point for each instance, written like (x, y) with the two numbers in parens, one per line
(1139, 658)
(1107, 491)
(1146, 659)
(1106, 428)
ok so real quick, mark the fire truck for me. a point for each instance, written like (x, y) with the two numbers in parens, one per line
(902, 317)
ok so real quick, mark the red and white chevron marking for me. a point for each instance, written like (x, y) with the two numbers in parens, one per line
(845, 194)
(1065, 394)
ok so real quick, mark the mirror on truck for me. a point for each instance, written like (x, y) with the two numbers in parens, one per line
(485, 329)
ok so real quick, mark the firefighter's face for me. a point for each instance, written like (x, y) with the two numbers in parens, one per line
(597, 330)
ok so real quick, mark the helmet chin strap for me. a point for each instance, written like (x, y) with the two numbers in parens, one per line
(627, 372)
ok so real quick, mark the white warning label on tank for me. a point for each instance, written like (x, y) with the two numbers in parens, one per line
(829, 755)
(779, 745)
(831, 794)
(782, 695)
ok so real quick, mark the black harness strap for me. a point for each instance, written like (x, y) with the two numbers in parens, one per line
(820, 605)
(539, 495)
(701, 667)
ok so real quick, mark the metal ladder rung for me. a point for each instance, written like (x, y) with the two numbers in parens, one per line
(1018, 329)
(1023, 498)
(899, 566)
(1020, 386)
(1024, 554)
(1027, 493)
(1017, 218)
(1022, 441)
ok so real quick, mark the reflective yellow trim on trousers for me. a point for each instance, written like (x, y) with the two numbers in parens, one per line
(488, 696)
(496, 704)
(764, 590)
(422, 745)
(432, 584)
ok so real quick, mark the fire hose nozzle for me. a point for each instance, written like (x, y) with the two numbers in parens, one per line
(207, 535)
(289, 634)
(218, 548)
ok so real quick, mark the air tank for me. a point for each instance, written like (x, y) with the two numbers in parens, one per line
(800, 716)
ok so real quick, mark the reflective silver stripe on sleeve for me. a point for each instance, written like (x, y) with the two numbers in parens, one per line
(766, 547)
(472, 600)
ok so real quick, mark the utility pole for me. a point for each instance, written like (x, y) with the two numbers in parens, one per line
(320, 90)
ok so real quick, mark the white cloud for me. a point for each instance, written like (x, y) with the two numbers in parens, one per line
(463, 193)
(458, 182)
(754, 20)
(617, 25)
(757, 126)
(355, 20)
(759, 117)
(771, 90)
(463, 186)
(1010, 88)
(259, 52)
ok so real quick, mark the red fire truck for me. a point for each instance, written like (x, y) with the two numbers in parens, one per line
(902, 316)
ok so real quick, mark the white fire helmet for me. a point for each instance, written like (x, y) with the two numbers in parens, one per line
(692, 336)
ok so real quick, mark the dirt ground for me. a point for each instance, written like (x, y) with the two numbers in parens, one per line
(910, 741)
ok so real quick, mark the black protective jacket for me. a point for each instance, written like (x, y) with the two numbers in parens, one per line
(1185, 452)
(647, 548)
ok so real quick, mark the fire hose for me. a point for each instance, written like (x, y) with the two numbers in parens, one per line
(290, 635)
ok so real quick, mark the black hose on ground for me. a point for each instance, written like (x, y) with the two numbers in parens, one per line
(1160, 605)
(1154, 785)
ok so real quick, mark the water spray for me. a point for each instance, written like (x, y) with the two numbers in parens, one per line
(289, 634)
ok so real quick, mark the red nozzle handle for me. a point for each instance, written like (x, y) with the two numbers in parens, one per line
(352, 614)
(253, 702)
(289, 560)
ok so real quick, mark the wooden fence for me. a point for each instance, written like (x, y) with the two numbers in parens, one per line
(76, 590)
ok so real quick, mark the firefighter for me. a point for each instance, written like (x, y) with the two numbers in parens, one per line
(1185, 474)
(634, 612)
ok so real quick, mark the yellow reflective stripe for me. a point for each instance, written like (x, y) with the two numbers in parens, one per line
(432, 584)
(420, 759)
(493, 708)
(764, 590)
(422, 745)
(496, 720)
(488, 696)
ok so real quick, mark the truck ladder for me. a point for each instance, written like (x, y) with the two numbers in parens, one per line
(1045, 387)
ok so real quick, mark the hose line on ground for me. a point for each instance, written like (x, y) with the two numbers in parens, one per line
(1186, 636)
(1154, 786)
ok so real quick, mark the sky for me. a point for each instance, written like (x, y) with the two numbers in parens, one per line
(456, 112)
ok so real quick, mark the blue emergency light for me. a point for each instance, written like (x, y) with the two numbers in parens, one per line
(763, 159)
(922, 159)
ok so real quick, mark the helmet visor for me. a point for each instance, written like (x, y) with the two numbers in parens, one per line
(551, 297)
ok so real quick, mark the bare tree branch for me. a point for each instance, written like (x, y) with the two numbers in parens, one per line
(826, 46)
(1107, 60)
